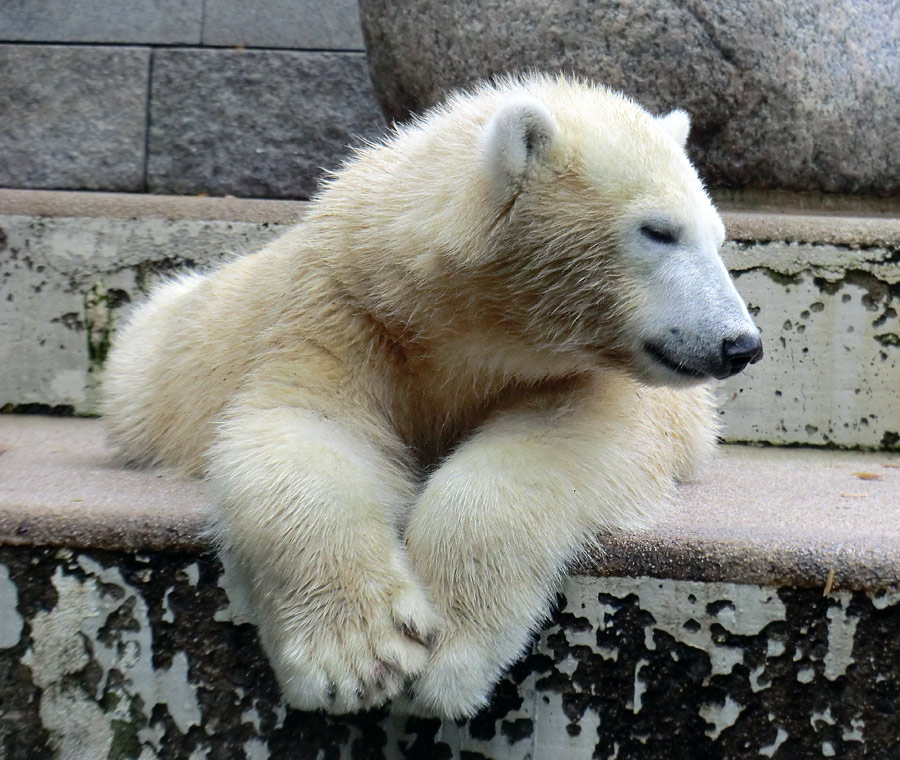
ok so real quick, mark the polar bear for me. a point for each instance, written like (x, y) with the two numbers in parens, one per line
(488, 342)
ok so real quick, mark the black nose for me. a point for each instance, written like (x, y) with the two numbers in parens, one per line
(738, 352)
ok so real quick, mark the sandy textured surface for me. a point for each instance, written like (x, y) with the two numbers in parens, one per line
(59, 486)
(783, 516)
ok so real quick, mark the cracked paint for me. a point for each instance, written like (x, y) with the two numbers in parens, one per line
(11, 622)
(720, 716)
(770, 749)
(841, 634)
(124, 657)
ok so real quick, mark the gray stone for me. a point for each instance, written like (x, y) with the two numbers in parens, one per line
(141, 21)
(255, 123)
(300, 24)
(73, 117)
(793, 95)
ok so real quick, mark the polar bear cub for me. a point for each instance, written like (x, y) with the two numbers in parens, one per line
(487, 343)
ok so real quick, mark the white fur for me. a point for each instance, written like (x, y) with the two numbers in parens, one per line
(678, 124)
(518, 133)
(419, 406)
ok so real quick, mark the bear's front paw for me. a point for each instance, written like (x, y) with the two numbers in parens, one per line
(458, 680)
(359, 656)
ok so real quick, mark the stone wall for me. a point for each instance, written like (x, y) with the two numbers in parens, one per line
(189, 96)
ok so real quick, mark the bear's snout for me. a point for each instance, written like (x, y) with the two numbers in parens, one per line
(738, 352)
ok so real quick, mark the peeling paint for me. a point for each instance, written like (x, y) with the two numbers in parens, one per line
(11, 622)
(816, 310)
(192, 572)
(758, 682)
(841, 634)
(239, 609)
(886, 598)
(803, 392)
(825, 718)
(770, 749)
(854, 733)
(721, 716)
(639, 686)
(177, 692)
(254, 749)
(168, 615)
(673, 603)
(56, 315)
(628, 668)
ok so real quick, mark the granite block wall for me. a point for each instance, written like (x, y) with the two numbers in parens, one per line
(218, 97)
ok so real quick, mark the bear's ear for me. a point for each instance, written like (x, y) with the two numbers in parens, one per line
(678, 124)
(518, 134)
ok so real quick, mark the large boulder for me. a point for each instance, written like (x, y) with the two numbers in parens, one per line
(799, 95)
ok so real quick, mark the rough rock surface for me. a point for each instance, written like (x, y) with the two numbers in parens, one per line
(255, 123)
(73, 117)
(793, 95)
(168, 22)
(303, 24)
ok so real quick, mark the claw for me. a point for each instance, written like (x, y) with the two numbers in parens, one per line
(410, 631)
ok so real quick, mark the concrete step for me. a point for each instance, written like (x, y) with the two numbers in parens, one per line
(824, 286)
(758, 620)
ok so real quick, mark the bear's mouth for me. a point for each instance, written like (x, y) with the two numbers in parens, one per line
(678, 367)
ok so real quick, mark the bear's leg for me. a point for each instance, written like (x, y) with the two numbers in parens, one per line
(310, 506)
(498, 523)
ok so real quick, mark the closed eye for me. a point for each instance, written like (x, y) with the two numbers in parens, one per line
(664, 235)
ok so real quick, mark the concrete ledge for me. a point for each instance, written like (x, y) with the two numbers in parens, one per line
(59, 487)
(776, 516)
(853, 231)
(765, 516)
(50, 203)
(850, 227)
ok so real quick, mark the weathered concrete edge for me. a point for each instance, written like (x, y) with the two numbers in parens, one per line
(817, 229)
(73, 204)
(621, 557)
(110, 532)
(834, 227)
(715, 561)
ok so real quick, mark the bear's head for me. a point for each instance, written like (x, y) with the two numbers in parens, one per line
(603, 235)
